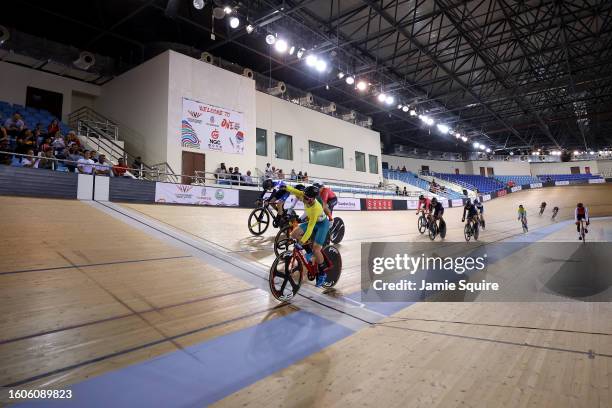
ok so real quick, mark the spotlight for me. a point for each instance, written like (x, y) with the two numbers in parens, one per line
(429, 121)
(362, 86)
(311, 60)
(458, 136)
(291, 50)
(321, 65)
(350, 80)
(413, 112)
(400, 106)
(576, 152)
(463, 138)
(234, 22)
(270, 39)
(340, 75)
(382, 97)
(389, 100)
(488, 150)
(198, 4)
(591, 152)
(405, 109)
(281, 46)
(327, 87)
(443, 128)
(300, 53)
(475, 145)
(250, 29)
(511, 153)
(227, 10)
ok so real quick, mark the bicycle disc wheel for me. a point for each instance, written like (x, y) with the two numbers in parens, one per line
(476, 231)
(337, 231)
(433, 231)
(285, 277)
(282, 240)
(442, 229)
(467, 232)
(258, 222)
(421, 224)
(334, 269)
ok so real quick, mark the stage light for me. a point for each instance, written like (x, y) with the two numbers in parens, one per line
(300, 53)
(350, 80)
(381, 97)
(405, 108)
(389, 100)
(576, 152)
(464, 138)
(198, 4)
(321, 65)
(475, 145)
(482, 147)
(443, 128)
(311, 60)
(591, 152)
(234, 22)
(270, 39)
(488, 150)
(400, 107)
(281, 46)
(250, 29)
(340, 75)
(227, 10)
(413, 112)
(362, 86)
(458, 135)
(291, 50)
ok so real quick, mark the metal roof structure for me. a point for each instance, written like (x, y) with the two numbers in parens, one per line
(509, 74)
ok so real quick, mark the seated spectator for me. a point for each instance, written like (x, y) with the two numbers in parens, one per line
(247, 179)
(103, 167)
(46, 145)
(397, 190)
(73, 139)
(274, 172)
(29, 140)
(72, 157)
(58, 143)
(20, 146)
(268, 172)
(53, 128)
(404, 169)
(85, 165)
(236, 175)
(14, 125)
(46, 162)
(93, 155)
(137, 164)
(5, 158)
(293, 176)
(120, 168)
(405, 192)
(221, 172)
(300, 176)
(281, 175)
(3, 135)
(29, 161)
(305, 178)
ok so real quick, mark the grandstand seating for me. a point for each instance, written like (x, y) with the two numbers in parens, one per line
(568, 177)
(518, 180)
(31, 116)
(409, 177)
(473, 182)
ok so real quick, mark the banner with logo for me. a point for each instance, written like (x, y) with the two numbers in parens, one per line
(344, 204)
(199, 195)
(379, 204)
(562, 183)
(596, 181)
(412, 204)
(457, 202)
(208, 127)
(516, 188)
(485, 197)
(535, 185)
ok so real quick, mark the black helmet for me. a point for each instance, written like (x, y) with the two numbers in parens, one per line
(268, 184)
(311, 192)
(580, 205)
(300, 187)
(421, 197)
(434, 200)
(468, 201)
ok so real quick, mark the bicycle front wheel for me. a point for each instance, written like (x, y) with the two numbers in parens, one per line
(285, 277)
(258, 222)
(467, 232)
(422, 224)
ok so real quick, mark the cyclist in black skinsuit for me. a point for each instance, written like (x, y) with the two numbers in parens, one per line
(470, 209)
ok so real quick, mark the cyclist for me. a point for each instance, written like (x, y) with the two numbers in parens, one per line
(581, 213)
(480, 207)
(327, 198)
(522, 216)
(438, 210)
(425, 203)
(542, 207)
(472, 212)
(316, 228)
(278, 196)
(554, 213)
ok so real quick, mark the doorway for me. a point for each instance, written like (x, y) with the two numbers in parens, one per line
(43, 99)
(191, 163)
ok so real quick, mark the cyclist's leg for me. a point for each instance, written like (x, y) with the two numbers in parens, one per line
(319, 237)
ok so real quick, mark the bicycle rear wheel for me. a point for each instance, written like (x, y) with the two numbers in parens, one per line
(258, 222)
(285, 276)
(336, 232)
(475, 231)
(467, 232)
(334, 265)
(433, 230)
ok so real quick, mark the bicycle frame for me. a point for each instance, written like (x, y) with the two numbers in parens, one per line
(310, 266)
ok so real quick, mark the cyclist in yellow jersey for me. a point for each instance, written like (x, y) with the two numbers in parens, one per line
(317, 226)
(522, 216)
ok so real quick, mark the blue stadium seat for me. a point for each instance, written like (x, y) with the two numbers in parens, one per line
(473, 182)
(568, 177)
(518, 180)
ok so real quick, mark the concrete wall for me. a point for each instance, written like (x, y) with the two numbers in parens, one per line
(563, 168)
(304, 125)
(15, 79)
(500, 168)
(438, 166)
(138, 101)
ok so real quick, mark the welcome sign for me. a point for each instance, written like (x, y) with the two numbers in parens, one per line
(195, 195)
(208, 127)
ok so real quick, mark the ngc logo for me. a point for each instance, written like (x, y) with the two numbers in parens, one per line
(195, 114)
(214, 134)
(183, 188)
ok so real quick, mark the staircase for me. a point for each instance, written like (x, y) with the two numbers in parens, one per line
(102, 134)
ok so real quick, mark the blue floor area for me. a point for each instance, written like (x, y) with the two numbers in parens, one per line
(204, 373)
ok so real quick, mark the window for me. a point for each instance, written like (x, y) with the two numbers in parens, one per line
(325, 155)
(283, 146)
(360, 161)
(261, 143)
(373, 164)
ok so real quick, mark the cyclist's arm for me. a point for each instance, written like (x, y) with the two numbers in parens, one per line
(299, 194)
(576, 214)
(464, 210)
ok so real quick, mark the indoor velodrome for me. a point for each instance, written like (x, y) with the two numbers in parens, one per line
(306, 203)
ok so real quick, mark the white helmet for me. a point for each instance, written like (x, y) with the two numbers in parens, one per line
(317, 183)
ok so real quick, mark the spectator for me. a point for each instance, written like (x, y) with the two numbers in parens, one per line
(236, 175)
(120, 168)
(3, 134)
(85, 165)
(247, 179)
(5, 158)
(29, 140)
(137, 164)
(28, 161)
(305, 179)
(391, 168)
(59, 144)
(230, 173)
(14, 125)
(397, 190)
(46, 162)
(20, 146)
(300, 176)
(380, 184)
(293, 176)
(102, 168)
(72, 158)
(281, 175)
(73, 139)
(46, 145)
(93, 155)
(269, 171)
(405, 192)
(53, 128)
(404, 169)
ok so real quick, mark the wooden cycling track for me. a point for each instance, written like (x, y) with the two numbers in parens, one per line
(83, 294)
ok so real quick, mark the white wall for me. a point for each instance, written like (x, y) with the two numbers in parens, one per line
(197, 80)
(604, 167)
(563, 168)
(15, 79)
(500, 168)
(438, 166)
(304, 125)
(138, 101)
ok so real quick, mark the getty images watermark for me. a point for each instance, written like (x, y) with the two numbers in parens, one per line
(509, 272)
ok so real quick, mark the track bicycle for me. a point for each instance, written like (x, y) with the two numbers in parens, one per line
(471, 229)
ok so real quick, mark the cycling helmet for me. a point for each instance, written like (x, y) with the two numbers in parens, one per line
(468, 201)
(268, 184)
(520, 205)
(317, 184)
(475, 201)
(311, 192)
(421, 197)
(300, 187)
(580, 205)
(434, 201)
